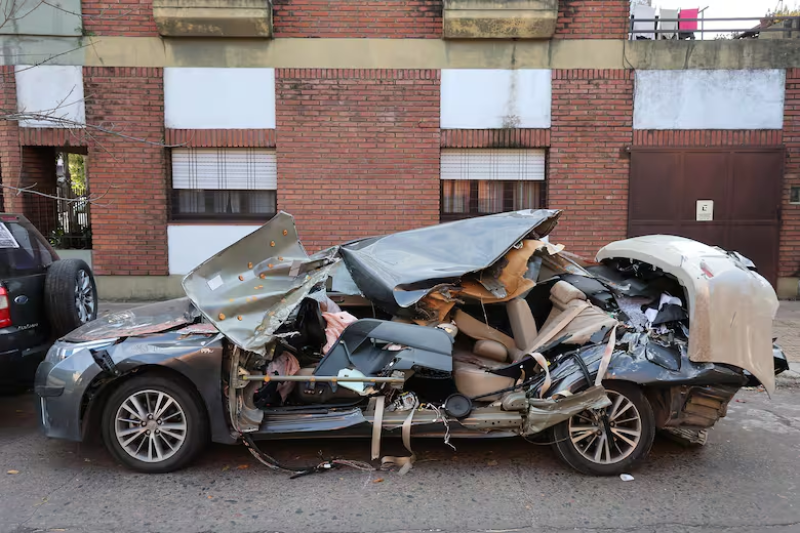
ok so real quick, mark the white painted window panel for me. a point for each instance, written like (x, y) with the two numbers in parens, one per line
(219, 98)
(224, 169)
(493, 164)
(709, 99)
(494, 99)
(189, 244)
(55, 92)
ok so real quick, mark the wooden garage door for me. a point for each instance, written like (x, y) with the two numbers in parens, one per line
(727, 197)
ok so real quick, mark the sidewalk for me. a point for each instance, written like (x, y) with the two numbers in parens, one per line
(787, 329)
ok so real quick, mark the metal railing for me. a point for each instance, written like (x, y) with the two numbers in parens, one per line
(762, 27)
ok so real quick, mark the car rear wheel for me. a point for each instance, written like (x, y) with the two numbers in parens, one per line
(154, 425)
(70, 295)
(585, 443)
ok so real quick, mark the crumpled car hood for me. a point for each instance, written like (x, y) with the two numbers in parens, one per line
(731, 308)
(249, 289)
(143, 320)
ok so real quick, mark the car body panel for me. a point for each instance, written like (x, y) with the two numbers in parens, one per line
(142, 320)
(396, 271)
(64, 386)
(249, 289)
(731, 307)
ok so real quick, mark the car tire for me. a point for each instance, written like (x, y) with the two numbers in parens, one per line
(576, 441)
(159, 446)
(70, 295)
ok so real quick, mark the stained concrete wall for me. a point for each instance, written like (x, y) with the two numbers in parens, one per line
(219, 98)
(709, 99)
(494, 99)
(34, 17)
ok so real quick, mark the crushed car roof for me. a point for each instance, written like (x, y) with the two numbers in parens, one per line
(249, 289)
(396, 271)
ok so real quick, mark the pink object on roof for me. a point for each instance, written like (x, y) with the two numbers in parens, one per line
(690, 25)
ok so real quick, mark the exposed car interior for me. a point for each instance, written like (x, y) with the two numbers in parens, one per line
(549, 314)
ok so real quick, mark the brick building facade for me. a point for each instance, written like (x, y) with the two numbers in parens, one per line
(363, 117)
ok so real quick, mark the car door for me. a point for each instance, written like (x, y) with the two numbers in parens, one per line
(24, 259)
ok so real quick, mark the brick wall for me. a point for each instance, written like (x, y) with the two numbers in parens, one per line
(701, 138)
(789, 259)
(132, 18)
(593, 19)
(129, 222)
(358, 151)
(10, 153)
(236, 138)
(588, 175)
(508, 138)
(399, 19)
(63, 137)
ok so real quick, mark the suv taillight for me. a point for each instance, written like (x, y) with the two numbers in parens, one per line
(5, 309)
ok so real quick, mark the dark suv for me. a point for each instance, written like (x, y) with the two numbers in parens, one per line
(42, 297)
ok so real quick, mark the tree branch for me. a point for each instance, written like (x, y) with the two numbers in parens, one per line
(90, 199)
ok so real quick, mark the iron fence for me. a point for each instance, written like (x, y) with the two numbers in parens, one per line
(65, 221)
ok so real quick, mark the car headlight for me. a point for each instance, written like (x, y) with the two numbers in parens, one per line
(61, 350)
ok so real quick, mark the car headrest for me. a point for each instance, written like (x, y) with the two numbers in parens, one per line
(563, 293)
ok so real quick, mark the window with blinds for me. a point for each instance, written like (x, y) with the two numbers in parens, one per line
(482, 182)
(224, 183)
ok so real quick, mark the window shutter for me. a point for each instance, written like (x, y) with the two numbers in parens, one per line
(491, 165)
(224, 169)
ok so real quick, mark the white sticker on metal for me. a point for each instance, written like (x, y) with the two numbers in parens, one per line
(705, 210)
(215, 282)
(6, 239)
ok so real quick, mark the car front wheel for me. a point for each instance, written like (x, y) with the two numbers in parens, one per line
(608, 441)
(154, 425)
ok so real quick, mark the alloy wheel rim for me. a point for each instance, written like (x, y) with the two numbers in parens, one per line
(590, 438)
(84, 297)
(150, 426)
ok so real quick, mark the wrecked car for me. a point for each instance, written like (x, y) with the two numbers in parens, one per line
(476, 328)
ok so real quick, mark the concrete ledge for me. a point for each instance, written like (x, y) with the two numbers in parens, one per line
(403, 53)
(139, 288)
(213, 18)
(86, 255)
(499, 19)
(788, 288)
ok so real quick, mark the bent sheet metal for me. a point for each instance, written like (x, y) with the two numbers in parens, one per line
(249, 289)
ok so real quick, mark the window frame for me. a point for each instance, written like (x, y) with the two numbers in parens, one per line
(473, 203)
(175, 214)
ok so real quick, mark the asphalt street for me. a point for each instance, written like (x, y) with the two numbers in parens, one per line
(745, 479)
